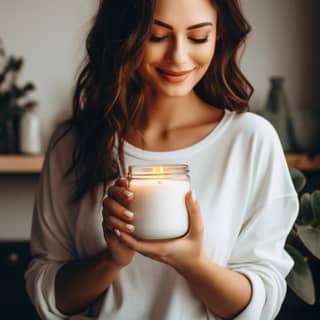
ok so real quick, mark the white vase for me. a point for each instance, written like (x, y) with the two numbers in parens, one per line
(30, 134)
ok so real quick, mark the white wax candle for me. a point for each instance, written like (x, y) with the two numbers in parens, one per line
(159, 207)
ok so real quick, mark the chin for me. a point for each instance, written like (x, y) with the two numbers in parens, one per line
(173, 90)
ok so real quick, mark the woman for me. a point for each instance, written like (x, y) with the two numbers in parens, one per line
(161, 84)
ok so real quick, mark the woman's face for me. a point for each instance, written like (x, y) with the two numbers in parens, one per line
(181, 47)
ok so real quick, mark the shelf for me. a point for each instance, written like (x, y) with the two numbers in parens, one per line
(303, 162)
(32, 164)
(20, 163)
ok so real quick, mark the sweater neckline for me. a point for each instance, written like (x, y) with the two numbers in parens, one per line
(136, 152)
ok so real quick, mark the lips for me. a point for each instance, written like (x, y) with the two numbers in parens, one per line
(174, 73)
(173, 76)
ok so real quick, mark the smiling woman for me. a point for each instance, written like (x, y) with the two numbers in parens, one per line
(161, 85)
(177, 51)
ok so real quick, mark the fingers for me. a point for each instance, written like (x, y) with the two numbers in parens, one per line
(155, 250)
(114, 242)
(121, 194)
(110, 237)
(116, 217)
(143, 247)
(113, 223)
(113, 208)
(116, 201)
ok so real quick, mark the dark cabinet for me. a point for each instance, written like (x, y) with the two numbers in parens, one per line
(14, 301)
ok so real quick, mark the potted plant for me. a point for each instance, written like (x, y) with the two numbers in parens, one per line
(14, 101)
(303, 244)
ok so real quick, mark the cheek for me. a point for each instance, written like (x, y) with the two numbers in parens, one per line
(152, 55)
(204, 55)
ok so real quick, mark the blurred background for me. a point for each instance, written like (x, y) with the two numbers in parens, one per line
(50, 37)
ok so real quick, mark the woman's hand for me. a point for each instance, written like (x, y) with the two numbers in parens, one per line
(184, 253)
(116, 220)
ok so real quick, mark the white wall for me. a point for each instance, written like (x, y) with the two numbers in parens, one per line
(284, 42)
(50, 36)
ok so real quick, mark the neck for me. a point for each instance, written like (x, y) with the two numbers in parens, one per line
(165, 113)
(170, 123)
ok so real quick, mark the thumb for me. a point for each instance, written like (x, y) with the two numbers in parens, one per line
(195, 219)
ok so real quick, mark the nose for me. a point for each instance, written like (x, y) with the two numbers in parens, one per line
(177, 52)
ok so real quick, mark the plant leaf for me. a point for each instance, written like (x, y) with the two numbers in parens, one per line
(315, 204)
(16, 64)
(311, 239)
(293, 237)
(300, 277)
(305, 215)
(29, 86)
(298, 179)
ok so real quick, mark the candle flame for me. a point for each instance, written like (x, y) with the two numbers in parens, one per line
(158, 170)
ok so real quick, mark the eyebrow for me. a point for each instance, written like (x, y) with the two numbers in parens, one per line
(195, 26)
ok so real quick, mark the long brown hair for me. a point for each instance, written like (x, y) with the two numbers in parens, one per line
(109, 93)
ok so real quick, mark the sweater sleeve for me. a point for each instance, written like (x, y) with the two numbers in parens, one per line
(272, 210)
(51, 240)
(259, 254)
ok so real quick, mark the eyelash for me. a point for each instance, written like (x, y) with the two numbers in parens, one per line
(196, 41)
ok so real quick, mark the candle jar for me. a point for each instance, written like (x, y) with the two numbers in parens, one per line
(159, 200)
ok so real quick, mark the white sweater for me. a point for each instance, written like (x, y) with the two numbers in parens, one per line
(248, 205)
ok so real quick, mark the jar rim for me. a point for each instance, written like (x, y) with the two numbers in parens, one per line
(158, 169)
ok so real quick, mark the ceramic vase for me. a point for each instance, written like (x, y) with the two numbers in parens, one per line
(277, 111)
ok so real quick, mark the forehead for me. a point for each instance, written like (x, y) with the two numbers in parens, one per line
(182, 13)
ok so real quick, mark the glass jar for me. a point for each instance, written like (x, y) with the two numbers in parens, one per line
(159, 200)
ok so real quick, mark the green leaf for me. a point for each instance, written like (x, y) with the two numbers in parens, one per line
(305, 211)
(29, 86)
(300, 278)
(311, 239)
(293, 237)
(315, 204)
(19, 92)
(298, 179)
(16, 64)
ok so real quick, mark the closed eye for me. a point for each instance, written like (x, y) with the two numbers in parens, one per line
(157, 39)
(195, 40)
(199, 40)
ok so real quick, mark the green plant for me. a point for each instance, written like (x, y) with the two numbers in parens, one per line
(14, 99)
(304, 240)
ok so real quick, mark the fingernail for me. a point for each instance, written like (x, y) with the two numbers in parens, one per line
(193, 195)
(117, 232)
(130, 227)
(129, 214)
(127, 193)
